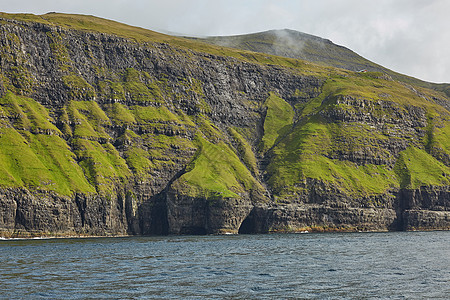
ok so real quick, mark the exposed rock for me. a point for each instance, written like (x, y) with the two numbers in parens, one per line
(110, 126)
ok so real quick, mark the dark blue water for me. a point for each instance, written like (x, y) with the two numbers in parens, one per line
(349, 265)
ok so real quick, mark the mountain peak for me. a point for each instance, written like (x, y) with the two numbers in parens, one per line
(299, 45)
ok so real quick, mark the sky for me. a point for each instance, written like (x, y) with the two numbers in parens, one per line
(408, 36)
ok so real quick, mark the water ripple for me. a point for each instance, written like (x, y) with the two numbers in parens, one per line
(314, 266)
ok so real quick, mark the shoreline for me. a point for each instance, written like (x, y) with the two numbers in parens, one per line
(56, 237)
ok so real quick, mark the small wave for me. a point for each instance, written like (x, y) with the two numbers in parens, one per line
(266, 275)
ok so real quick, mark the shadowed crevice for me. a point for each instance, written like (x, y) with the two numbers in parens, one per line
(248, 225)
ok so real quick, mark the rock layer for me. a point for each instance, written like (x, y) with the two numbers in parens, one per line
(105, 135)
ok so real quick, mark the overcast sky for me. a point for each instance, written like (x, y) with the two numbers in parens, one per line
(408, 36)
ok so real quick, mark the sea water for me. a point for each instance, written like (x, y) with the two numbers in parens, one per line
(395, 265)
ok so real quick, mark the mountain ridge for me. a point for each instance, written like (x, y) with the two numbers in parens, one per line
(108, 129)
(285, 42)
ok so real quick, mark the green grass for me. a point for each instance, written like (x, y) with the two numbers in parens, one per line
(311, 106)
(207, 128)
(139, 163)
(28, 113)
(132, 75)
(131, 84)
(291, 44)
(304, 154)
(140, 35)
(174, 151)
(298, 151)
(261, 42)
(374, 88)
(286, 176)
(297, 45)
(119, 113)
(145, 114)
(278, 121)
(79, 89)
(440, 136)
(102, 164)
(155, 153)
(54, 153)
(39, 162)
(416, 168)
(64, 120)
(166, 142)
(91, 24)
(245, 151)
(20, 165)
(59, 50)
(30, 158)
(215, 173)
(112, 90)
(88, 119)
(15, 77)
(138, 92)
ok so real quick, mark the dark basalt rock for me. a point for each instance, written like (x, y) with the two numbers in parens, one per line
(231, 94)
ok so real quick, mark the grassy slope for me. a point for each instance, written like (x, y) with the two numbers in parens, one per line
(36, 160)
(216, 172)
(279, 118)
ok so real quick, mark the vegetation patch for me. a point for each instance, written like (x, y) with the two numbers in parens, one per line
(39, 162)
(87, 119)
(145, 114)
(78, 88)
(304, 154)
(416, 168)
(215, 173)
(59, 50)
(376, 89)
(207, 128)
(27, 114)
(312, 140)
(119, 113)
(14, 74)
(112, 90)
(102, 164)
(278, 120)
(245, 151)
(138, 161)
(136, 88)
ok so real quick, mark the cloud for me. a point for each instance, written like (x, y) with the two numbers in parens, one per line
(408, 36)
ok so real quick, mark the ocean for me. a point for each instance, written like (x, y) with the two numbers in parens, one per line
(391, 265)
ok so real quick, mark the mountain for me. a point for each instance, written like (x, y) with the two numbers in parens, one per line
(109, 129)
(298, 45)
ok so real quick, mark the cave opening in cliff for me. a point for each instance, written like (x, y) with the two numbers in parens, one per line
(248, 225)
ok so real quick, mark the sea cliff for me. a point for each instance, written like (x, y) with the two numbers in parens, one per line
(107, 129)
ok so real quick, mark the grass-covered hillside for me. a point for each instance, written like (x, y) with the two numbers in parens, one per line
(107, 128)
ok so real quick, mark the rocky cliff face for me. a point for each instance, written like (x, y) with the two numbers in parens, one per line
(106, 134)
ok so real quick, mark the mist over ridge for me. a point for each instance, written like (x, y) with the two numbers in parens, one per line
(298, 45)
